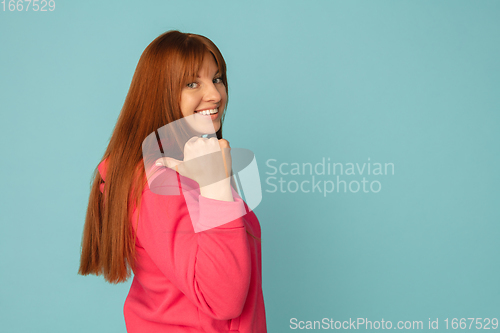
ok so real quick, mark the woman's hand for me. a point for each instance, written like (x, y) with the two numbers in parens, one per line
(208, 162)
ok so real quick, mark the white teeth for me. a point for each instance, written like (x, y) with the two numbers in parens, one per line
(208, 112)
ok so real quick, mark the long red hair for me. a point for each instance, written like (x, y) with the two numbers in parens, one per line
(167, 64)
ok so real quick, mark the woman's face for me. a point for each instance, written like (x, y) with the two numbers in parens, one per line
(205, 98)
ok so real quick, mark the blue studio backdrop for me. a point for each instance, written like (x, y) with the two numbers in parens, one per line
(375, 126)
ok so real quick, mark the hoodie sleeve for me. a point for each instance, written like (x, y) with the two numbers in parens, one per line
(212, 267)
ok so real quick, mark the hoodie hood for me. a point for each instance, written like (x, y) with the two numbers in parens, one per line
(164, 182)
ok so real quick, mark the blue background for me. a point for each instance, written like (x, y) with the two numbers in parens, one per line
(414, 83)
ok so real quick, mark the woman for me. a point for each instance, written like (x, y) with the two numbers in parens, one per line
(186, 278)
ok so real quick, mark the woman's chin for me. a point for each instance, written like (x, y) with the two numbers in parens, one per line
(207, 128)
(203, 124)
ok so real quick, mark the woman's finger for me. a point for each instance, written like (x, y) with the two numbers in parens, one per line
(169, 162)
(223, 143)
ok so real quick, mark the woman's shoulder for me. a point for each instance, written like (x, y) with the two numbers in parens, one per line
(161, 180)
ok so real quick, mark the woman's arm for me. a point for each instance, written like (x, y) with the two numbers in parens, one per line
(212, 267)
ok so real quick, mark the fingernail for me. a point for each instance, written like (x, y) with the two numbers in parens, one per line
(159, 164)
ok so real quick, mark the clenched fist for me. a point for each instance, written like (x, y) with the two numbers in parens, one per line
(206, 161)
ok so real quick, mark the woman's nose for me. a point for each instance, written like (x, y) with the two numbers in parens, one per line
(211, 93)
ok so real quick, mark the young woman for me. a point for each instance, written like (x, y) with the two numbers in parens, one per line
(186, 278)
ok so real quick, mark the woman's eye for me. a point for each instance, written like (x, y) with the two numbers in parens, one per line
(193, 85)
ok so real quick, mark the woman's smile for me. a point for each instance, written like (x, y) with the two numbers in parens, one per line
(212, 113)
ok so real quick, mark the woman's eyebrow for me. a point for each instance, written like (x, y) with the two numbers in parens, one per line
(218, 73)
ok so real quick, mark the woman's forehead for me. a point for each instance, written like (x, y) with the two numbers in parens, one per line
(201, 64)
(208, 67)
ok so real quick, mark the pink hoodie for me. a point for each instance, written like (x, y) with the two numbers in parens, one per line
(187, 281)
